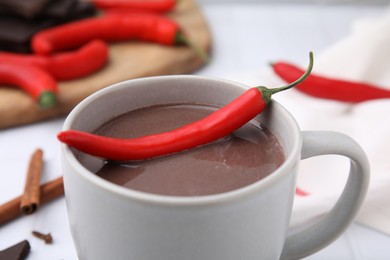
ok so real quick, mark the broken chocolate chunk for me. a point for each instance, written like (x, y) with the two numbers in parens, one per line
(59, 9)
(16, 252)
(26, 9)
(16, 32)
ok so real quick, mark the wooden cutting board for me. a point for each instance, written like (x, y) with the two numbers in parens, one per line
(127, 60)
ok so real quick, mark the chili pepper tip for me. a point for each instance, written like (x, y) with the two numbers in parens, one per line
(61, 136)
(41, 46)
(47, 99)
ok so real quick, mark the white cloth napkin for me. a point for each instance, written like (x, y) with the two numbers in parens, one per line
(364, 55)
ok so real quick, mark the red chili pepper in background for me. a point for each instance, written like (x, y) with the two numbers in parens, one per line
(330, 88)
(113, 27)
(35, 81)
(160, 6)
(148, 27)
(66, 65)
(215, 126)
(300, 192)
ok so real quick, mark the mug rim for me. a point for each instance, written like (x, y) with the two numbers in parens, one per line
(150, 198)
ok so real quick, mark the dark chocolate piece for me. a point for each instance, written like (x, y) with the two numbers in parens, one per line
(16, 32)
(26, 9)
(81, 10)
(59, 9)
(16, 252)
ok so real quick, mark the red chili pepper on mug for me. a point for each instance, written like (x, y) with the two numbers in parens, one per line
(35, 81)
(159, 6)
(114, 27)
(215, 126)
(330, 88)
(66, 65)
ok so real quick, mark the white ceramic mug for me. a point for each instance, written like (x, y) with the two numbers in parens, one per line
(112, 222)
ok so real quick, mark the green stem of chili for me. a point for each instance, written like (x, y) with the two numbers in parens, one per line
(181, 38)
(47, 99)
(268, 92)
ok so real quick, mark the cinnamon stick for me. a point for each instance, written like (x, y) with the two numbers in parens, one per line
(49, 191)
(31, 196)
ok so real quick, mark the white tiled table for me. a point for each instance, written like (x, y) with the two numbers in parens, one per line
(246, 38)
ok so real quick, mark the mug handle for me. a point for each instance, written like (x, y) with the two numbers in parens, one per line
(311, 237)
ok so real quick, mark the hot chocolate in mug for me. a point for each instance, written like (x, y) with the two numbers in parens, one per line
(109, 221)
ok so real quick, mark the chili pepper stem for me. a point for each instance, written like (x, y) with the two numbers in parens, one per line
(180, 38)
(268, 92)
(47, 99)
